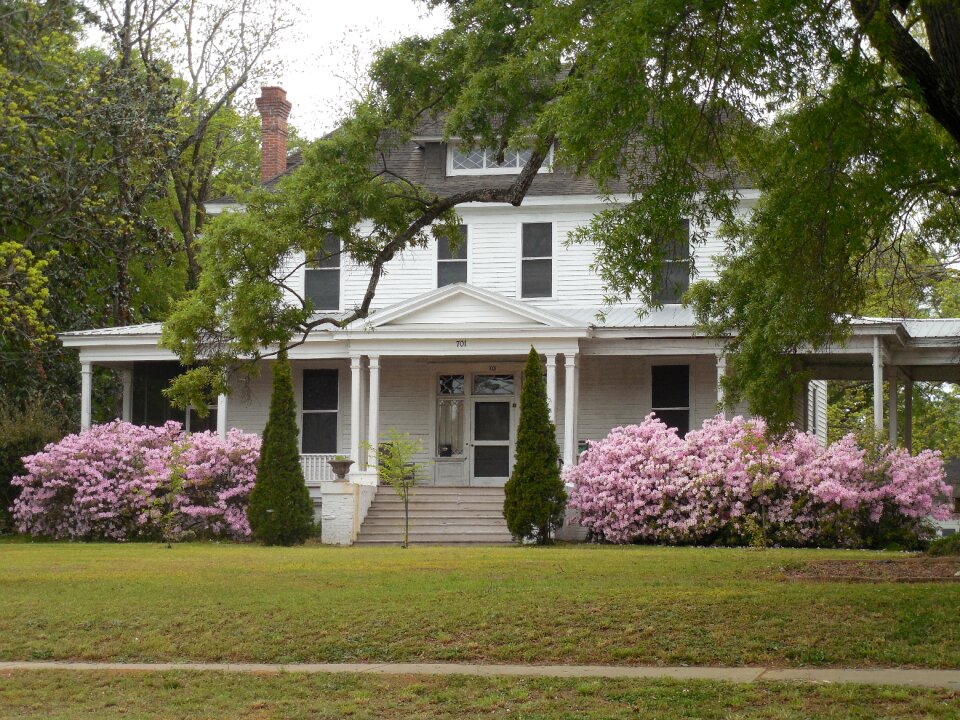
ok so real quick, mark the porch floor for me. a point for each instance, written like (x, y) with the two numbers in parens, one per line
(438, 516)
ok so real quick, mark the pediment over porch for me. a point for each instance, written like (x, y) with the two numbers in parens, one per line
(462, 305)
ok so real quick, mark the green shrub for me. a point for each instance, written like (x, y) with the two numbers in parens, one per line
(24, 430)
(280, 510)
(944, 546)
(534, 496)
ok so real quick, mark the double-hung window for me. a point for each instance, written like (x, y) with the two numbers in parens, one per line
(323, 276)
(671, 395)
(321, 398)
(194, 423)
(675, 280)
(452, 263)
(536, 264)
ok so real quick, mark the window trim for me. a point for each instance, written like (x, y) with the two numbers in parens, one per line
(690, 390)
(553, 260)
(467, 259)
(302, 411)
(190, 410)
(546, 167)
(307, 268)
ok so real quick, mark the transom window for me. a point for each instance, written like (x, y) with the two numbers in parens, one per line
(671, 395)
(483, 161)
(452, 264)
(675, 280)
(536, 272)
(322, 285)
(321, 398)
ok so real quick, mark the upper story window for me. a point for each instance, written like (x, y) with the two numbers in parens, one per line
(322, 284)
(676, 267)
(483, 161)
(536, 263)
(452, 263)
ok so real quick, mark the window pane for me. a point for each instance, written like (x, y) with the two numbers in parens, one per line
(493, 384)
(538, 239)
(472, 160)
(671, 386)
(524, 156)
(491, 421)
(674, 283)
(319, 432)
(323, 289)
(449, 427)
(330, 256)
(451, 385)
(202, 424)
(679, 419)
(320, 390)
(491, 461)
(443, 247)
(451, 271)
(537, 278)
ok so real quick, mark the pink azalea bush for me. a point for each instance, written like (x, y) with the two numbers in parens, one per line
(120, 481)
(730, 482)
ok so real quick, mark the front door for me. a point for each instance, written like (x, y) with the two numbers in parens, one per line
(491, 441)
(492, 399)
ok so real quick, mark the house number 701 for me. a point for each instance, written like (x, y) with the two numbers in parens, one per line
(461, 343)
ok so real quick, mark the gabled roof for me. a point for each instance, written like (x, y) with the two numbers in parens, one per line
(467, 305)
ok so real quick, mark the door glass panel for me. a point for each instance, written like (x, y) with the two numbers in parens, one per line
(493, 384)
(491, 421)
(491, 461)
(451, 385)
(449, 427)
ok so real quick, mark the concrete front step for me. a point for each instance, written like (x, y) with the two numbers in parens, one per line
(458, 513)
(438, 516)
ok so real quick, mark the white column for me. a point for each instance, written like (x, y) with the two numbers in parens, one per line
(222, 406)
(126, 378)
(552, 385)
(908, 415)
(570, 409)
(364, 384)
(721, 371)
(877, 386)
(373, 409)
(892, 409)
(86, 395)
(355, 409)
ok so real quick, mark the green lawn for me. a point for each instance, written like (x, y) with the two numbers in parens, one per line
(575, 604)
(210, 695)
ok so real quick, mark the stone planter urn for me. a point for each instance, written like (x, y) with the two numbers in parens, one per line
(340, 468)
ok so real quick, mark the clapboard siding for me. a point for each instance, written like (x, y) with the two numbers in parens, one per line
(406, 402)
(494, 252)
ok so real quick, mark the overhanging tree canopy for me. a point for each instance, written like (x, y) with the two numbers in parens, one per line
(845, 115)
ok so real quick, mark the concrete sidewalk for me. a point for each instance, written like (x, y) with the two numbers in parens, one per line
(948, 679)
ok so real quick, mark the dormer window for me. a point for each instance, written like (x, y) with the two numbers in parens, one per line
(322, 284)
(483, 161)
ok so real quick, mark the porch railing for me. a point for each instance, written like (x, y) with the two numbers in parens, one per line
(316, 469)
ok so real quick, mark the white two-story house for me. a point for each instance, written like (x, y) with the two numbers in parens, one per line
(440, 356)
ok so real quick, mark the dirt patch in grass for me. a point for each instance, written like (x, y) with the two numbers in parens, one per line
(907, 570)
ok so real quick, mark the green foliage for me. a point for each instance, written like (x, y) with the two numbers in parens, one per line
(24, 429)
(396, 468)
(945, 546)
(280, 510)
(535, 499)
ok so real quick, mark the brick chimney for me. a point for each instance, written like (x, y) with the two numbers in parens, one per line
(274, 109)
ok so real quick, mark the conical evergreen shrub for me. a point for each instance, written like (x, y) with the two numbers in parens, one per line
(280, 510)
(535, 498)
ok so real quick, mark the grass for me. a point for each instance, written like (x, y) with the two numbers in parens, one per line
(211, 695)
(576, 604)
